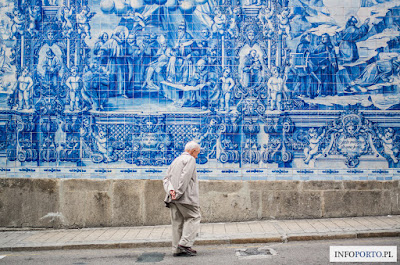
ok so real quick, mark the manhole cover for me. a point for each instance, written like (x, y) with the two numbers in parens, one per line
(150, 257)
(255, 253)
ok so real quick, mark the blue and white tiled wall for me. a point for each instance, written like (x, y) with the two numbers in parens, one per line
(271, 89)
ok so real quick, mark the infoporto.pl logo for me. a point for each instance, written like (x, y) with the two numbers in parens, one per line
(363, 254)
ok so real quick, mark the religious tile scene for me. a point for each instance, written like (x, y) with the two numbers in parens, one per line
(270, 89)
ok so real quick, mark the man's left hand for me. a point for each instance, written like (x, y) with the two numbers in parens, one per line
(173, 194)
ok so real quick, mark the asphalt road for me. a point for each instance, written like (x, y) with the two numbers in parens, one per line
(293, 253)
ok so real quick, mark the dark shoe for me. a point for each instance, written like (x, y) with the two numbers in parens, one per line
(180, 254)
(187, 250)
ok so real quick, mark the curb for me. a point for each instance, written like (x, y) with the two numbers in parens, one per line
(227, 241)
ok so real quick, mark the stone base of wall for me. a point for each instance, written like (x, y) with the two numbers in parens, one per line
(73, 203)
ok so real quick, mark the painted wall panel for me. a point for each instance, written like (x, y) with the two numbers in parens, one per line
(272, 90)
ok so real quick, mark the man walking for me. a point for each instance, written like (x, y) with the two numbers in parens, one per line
(182, 188)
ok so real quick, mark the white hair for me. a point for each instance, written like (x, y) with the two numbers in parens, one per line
(191, 146)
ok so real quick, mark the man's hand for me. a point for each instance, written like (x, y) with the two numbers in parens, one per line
(173, 194)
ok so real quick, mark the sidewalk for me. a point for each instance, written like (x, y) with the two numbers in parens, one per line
(211, 233)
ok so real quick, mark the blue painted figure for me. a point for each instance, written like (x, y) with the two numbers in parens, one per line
(324, 57)
(202, 81)
(115, 50)
(103, 38)
(308, 82)
(18, 23)
(133, 60)
(220, 22)
(348, 51)
(284, 22)
(5, 64)
(227, 85)
(82, 19)
(380, 71)
(102, 145)
(150, 48)
(52, 67)
(389, 145)
(234, 22)
(74, 84)
(134, 21)
(266, 17)
(24, 88)
(157, 68)
(180, 66)
(203, 43)
(95, 87)
(64, 17)
(35, 16)
(276, 89)
(252, 69)
(314, 142)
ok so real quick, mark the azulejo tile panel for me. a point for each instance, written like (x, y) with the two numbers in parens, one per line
(271, 89)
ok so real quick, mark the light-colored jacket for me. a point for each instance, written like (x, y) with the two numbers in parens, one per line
(182, 178)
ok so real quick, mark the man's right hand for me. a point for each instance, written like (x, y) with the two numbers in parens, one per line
(173, 194)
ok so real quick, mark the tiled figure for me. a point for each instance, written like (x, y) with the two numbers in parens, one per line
(227, 85)
(276, 89)
(83, 19)
(348, 51)
(180, 65)
(314, 143)
(252, 69)
(74, 84)
(52, 67)
(18, 23)
(24, 87)
(388, 142)
(327, 66)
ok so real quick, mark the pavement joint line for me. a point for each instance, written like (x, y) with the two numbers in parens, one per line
(62, 238)
(375, 221)
(120, 231)
(108, 236)
(318, 226)
(388, 221)
(366, 223)
(134, 233)
(349, 222)
(307, 225)
(383, 223)
(22, 238)
(98, 235)
(328, 223)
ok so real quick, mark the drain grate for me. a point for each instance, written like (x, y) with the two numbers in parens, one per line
(150, 257)
(255, 253)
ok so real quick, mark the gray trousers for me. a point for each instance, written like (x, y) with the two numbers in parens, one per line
(185, 221)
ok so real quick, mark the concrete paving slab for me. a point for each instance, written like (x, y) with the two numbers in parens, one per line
(231, 228)
(306, 226)
(329, 224)
(269, 227)
(391, 220)
(243, 227)
(219, 228)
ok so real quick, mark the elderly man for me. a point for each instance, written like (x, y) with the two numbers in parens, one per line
(182, 188)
